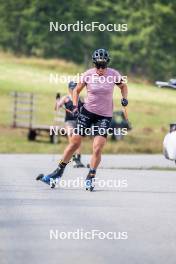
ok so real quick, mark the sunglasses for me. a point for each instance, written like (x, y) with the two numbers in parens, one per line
(101, 65)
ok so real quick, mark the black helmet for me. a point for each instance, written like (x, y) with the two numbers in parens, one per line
(100, 56)
(72, 85)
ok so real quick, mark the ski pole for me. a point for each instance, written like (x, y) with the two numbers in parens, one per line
(67, 110)
(125, 113)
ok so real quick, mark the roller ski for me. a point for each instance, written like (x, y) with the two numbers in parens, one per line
(52, 182)
(53, 178)
(77, 161)
(90, 181)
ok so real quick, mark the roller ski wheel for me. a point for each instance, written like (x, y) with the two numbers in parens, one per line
(91, 189)
(89, 183)
(77, 163)
(39, 177)
(53, 183)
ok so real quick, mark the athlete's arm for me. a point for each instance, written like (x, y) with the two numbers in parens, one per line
(77, 91)
(60, 103)
(124, 90)
(124, 101)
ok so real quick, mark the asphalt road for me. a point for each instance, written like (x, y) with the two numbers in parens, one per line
(140, 209)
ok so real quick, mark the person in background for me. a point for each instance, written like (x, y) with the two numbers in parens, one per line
(66, 103)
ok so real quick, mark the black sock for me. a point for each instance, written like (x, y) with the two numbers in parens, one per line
(92, 171)
(62, 164)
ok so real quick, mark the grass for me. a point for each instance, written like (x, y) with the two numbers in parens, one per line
(150, 109)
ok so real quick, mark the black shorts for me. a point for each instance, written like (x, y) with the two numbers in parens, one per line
(92, 124)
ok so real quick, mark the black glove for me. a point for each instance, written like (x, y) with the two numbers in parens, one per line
(124, 102)
(75, 111)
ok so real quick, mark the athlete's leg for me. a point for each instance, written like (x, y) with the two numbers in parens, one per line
(71, 148)
(98, 144)
(76, 158)
(78, 151)
(83, 122)
(56, 174)
(74, 144)
(69, 128)
(77, 163)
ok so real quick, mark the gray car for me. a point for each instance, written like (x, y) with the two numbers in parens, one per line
(170, 84)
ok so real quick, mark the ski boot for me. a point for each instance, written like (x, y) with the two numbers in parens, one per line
(52, 178)
(90, 180)
(77, 161)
